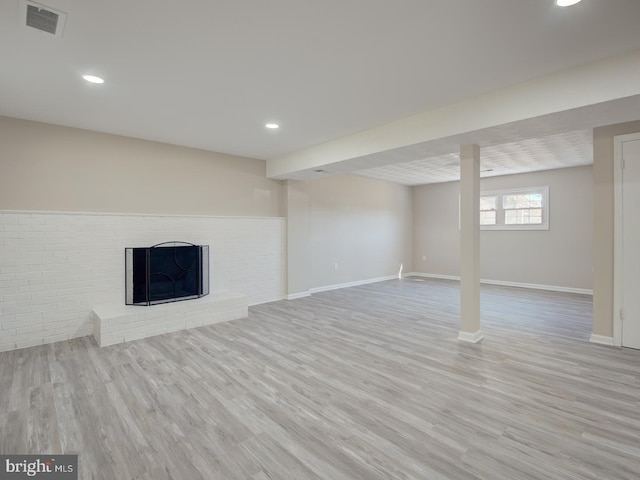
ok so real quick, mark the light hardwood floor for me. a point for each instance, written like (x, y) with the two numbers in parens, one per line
(362, 383)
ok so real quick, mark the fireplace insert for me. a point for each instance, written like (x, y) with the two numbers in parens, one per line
(167, 272)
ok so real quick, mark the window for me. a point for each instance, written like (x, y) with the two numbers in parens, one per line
(517, 209)
(488, 210)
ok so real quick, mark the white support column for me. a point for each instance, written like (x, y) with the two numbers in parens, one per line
(470, 244)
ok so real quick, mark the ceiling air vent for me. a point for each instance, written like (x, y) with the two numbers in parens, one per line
(42, 18)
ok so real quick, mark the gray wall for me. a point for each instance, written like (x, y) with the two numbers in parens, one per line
(53, 168)
(363, 226)
(436, 241)
(558, 257)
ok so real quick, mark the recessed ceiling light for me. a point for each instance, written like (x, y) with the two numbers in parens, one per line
(566, 3)
(271, 125)
(92, 79)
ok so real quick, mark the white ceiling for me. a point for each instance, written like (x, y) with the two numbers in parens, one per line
(209, 73)
(569, 149)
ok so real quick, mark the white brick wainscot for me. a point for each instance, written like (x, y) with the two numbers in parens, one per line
(57, 267)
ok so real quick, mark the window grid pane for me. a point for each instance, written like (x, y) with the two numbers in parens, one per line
(523, 216)
(529, 200)
(488, 217)
(488, 203)
(488, 212)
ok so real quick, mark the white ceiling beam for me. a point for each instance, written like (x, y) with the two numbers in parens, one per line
(606, 80)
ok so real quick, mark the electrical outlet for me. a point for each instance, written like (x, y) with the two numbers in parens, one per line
(335, 265)
(424, 257)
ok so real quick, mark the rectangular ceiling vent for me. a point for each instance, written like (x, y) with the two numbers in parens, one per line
(43, 18)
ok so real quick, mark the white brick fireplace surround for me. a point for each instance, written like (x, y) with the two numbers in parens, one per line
(121, 323)
(55, 268)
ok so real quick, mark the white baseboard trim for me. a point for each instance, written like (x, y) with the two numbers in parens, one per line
(351, 284)
(293, 296)
(262, 302)
(471, 337)
(552, 288)
(601, 340)
(432, 275)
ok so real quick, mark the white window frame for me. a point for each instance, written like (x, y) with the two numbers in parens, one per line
(500, 216)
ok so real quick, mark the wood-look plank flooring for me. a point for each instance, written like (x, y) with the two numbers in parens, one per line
(362, 383)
